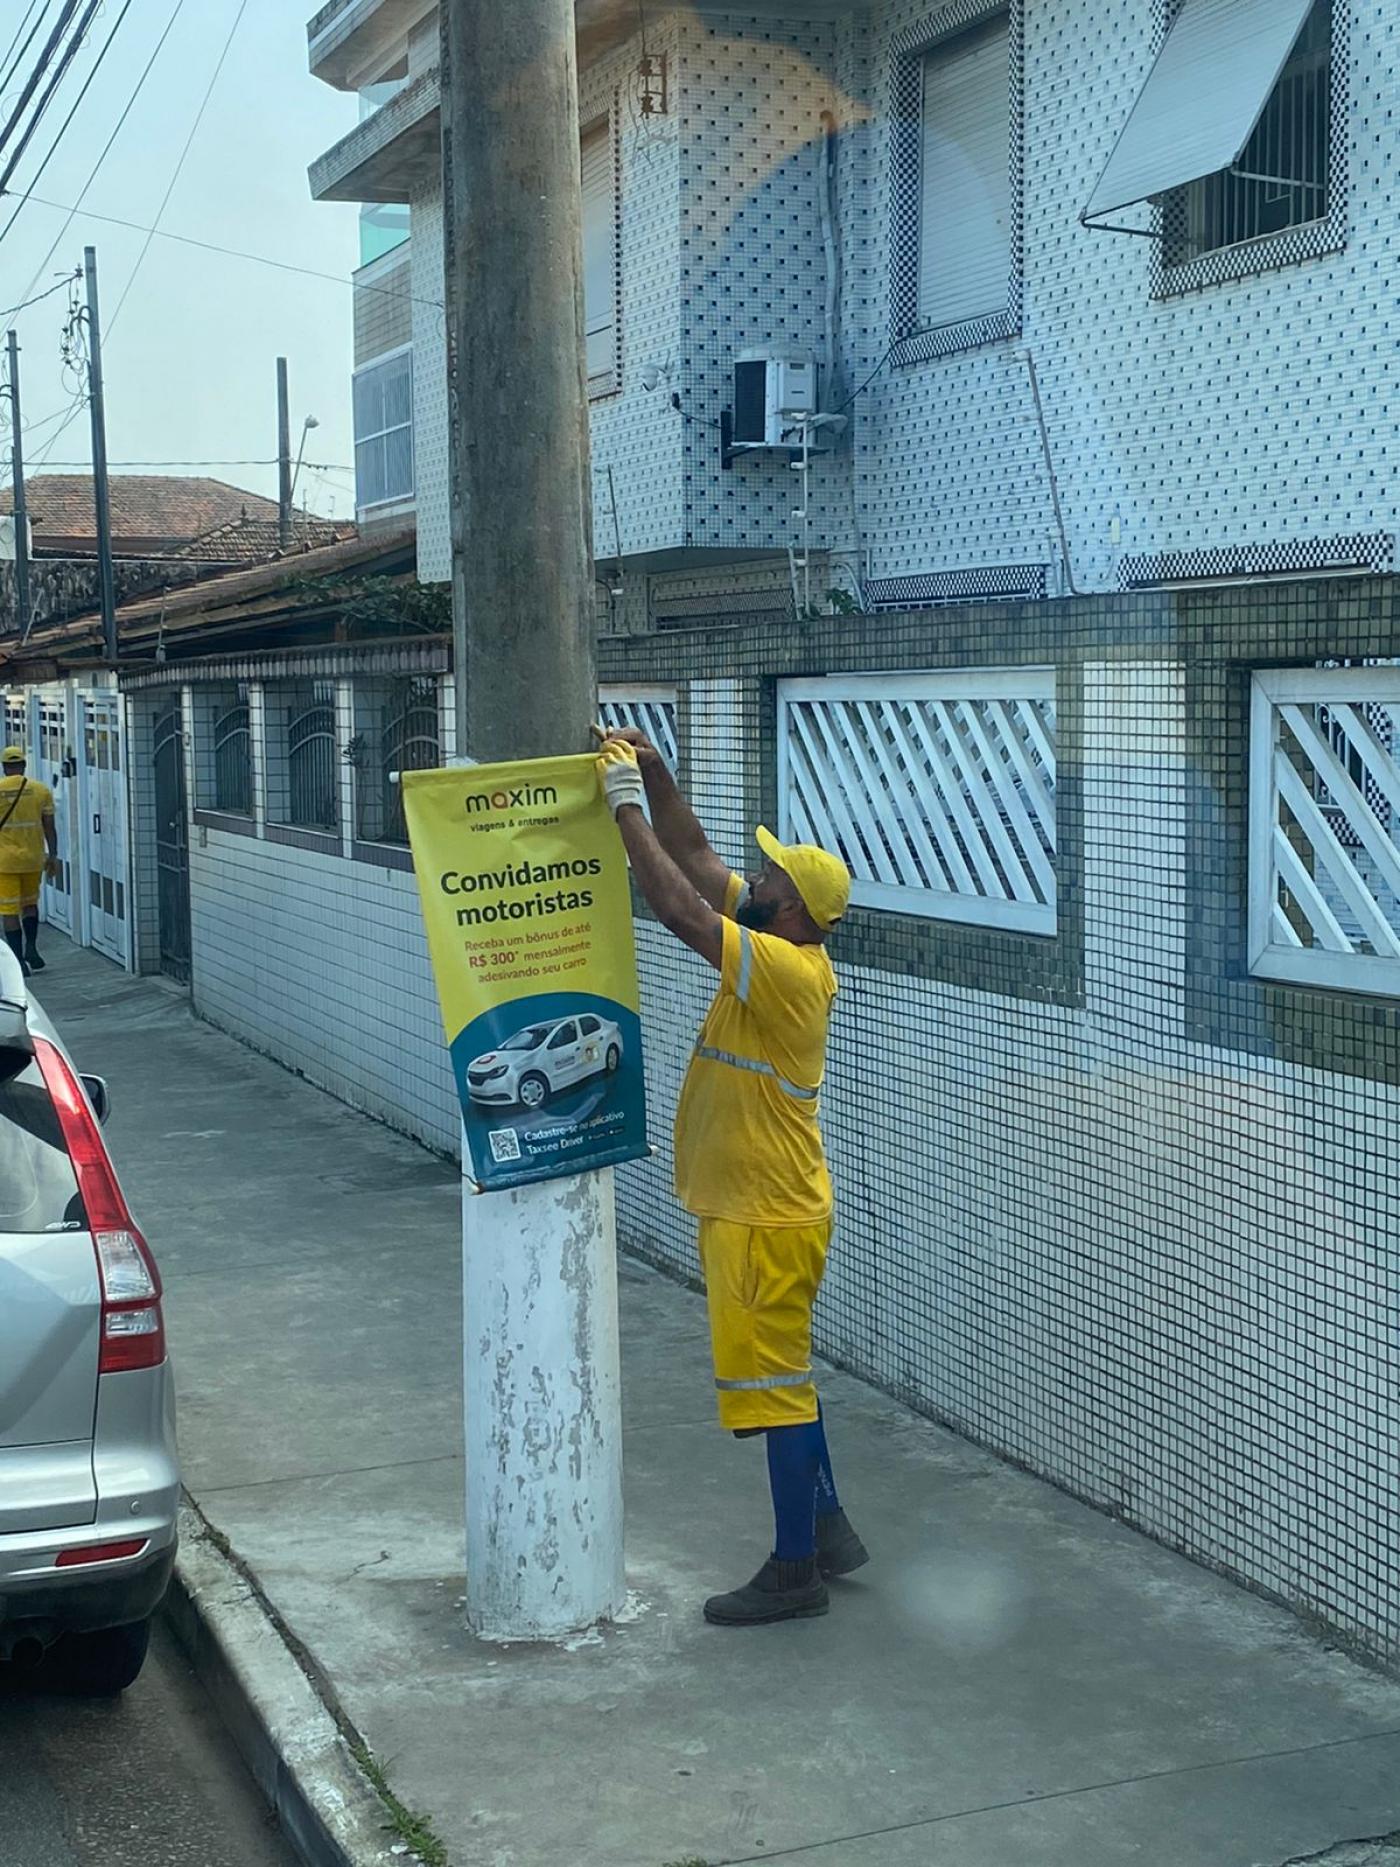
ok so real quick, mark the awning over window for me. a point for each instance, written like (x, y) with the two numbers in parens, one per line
(1202, 98)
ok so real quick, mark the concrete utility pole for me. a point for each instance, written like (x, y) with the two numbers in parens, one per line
(284, 457)
(22, 610)
(543, 1428)
(101, 496)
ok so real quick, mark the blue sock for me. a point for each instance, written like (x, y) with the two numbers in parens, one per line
(794, 1458)
(827, 1501)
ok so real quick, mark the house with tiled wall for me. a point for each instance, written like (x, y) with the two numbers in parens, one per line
(1041, 393)
(1103, 715)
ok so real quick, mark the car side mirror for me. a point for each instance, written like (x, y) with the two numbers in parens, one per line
(99, 1095)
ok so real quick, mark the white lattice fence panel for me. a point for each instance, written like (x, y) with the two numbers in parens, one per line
(938, 790)
(1324, 883)
(651, 710)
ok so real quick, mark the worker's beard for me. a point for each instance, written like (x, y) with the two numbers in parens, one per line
(757, 916)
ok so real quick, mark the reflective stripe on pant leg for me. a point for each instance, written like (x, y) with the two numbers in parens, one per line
(776, 1387)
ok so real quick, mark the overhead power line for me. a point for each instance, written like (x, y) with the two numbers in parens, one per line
(36, 76)
(102, 156)
(308, 466)
(39, 6)
(70, 52)
(228, 252)
(180, 163)
(39, 297)
(77, 106)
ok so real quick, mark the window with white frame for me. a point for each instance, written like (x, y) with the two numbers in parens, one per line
(383, 406)
(965, 177)
(600, 256)
(1324, 843)
(938, 790)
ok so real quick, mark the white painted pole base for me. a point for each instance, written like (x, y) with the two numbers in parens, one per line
(543, 1396)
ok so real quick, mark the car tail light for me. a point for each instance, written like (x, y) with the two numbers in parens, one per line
(100, 1552)
(133, 1327)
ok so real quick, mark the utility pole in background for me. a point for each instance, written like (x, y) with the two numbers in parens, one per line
(284, 458)
(543, 1388)
(101, 494)
(22, 611)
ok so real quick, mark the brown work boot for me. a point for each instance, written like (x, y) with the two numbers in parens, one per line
(781, 1591)
(839, 1549)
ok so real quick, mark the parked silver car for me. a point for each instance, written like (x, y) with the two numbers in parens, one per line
(89, 1482)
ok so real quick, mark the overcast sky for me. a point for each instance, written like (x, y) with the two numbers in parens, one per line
(190, 361)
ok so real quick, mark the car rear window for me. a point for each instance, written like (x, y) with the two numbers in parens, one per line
(38, 1188)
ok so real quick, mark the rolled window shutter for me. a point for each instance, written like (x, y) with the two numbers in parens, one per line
(965, 205)
(599, 251)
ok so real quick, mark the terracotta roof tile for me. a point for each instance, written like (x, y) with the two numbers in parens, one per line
(143, 506)
(253, 540)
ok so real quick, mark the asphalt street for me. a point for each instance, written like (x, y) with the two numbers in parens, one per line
(148, 1780)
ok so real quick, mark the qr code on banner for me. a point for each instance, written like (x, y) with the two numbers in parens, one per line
(505, 1144)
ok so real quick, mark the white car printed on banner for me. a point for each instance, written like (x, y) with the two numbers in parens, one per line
(541, 1059)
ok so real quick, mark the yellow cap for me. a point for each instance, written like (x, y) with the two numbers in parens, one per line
(822, 880)
(12, 755)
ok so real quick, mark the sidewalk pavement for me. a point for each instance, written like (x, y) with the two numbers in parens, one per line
(1013, 1680)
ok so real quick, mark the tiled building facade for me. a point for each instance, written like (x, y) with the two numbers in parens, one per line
(1194, 422)
(1116, 1119)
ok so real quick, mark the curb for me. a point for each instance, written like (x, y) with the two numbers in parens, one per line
(288, 1737)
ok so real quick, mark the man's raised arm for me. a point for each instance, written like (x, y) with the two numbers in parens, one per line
(676, 825)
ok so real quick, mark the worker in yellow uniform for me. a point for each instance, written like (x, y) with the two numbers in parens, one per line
(28, 852)
(749, 1159)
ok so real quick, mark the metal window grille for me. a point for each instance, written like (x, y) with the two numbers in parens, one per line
(53, 737)
(652, 710)
(1324, 884)
(16, 720)
(313, 769)
(233, 758)
(410, 739)
(937, 790)
(1281, 179)
(383, 399)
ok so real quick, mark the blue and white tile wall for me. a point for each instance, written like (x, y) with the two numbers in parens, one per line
(1251, 414)
(1247, 415)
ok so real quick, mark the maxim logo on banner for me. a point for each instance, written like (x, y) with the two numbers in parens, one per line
(522, 797)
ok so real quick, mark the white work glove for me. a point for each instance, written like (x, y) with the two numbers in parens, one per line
(621, 776)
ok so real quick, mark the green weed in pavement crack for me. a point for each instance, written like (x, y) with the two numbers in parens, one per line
(414, 1829)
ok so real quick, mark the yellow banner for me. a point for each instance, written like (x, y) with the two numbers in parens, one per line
(523, 881)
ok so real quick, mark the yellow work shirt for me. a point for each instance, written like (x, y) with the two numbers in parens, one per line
(22, 846)
(748, 1141)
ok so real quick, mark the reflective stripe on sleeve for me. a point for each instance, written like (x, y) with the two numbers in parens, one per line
(745, 964)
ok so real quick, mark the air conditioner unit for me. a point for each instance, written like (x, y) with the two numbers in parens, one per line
(772, 394)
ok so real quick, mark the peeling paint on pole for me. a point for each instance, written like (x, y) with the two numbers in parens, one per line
(544, 1475)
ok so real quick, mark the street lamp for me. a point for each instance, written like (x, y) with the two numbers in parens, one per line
(306, 427)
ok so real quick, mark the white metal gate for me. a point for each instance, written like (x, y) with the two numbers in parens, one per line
(52, 763)
(104, 851)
